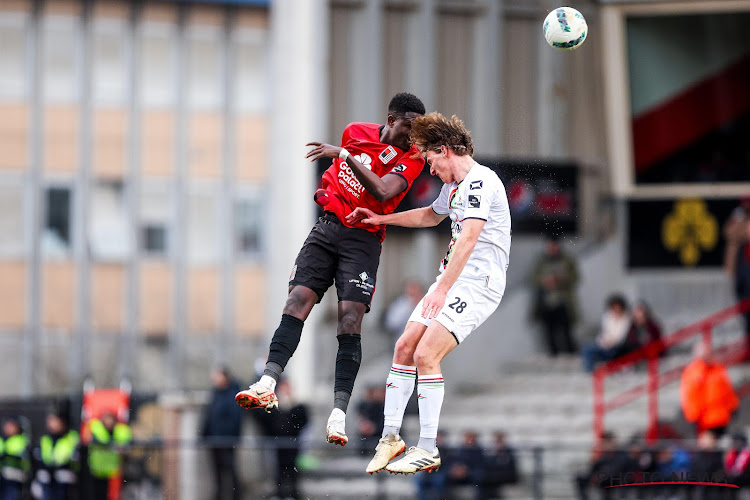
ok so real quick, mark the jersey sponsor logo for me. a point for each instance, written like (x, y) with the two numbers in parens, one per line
(399, 168)
(387, 155)
(474, 200)
(475, 185)
(347, 177)
(363, 276)
(363, 282)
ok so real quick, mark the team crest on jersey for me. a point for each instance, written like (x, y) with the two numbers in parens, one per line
(475, 185)
(387, 155)
(455, 200)
(399, 168)
(474, 200)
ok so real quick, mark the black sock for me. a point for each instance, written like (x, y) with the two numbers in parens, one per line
(348, 360)
(283, 344)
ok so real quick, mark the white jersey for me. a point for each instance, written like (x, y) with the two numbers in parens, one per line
(481, 195)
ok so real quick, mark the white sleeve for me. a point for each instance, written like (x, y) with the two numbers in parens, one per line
(480, 195)
(440, 205)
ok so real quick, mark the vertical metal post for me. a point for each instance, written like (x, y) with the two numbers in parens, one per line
(366, 60)
(81, 203)
(180, 221)
(486, 81)
(35, 201)
(537, 483)
(227, 239)
(133, 191)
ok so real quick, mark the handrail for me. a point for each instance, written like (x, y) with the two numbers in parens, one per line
(729, 354)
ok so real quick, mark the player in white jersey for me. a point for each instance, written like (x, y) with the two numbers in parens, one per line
(467, 290)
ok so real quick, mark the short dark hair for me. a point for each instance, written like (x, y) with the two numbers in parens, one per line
(617, 299)
(405, 102)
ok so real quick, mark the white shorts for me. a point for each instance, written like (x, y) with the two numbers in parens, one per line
(468, 304)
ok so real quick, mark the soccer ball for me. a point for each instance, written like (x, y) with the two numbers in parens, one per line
(565, 28)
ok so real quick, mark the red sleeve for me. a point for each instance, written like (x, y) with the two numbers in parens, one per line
(409, 168)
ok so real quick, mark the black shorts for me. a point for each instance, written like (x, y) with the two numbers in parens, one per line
(334, 252)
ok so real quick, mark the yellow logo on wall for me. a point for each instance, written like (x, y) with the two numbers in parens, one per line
(688, 229)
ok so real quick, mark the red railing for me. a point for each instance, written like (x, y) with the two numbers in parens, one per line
(728, 354)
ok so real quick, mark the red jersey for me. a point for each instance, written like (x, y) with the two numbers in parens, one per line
(345, 192)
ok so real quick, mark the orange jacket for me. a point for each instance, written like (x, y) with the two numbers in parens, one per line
(706, 395)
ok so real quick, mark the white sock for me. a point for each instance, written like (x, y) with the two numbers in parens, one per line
(398, 389)
(337, 414)
(430, 393)
(268, 381)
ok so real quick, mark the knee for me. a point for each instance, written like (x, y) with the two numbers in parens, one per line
(350, 321)
(299, 303)
(425, 362)
(403, 353)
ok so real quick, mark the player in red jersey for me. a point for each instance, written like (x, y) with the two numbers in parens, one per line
(373, 168)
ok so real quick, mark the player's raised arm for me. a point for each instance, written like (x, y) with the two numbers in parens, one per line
(381, 189)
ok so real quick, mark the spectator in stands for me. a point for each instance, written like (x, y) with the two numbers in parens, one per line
(608, 463)
(398, 312)
(108, 441)
(57, 459)
(707, 465)
(467, 464)
(370, 417)
(500, 468)
(282, 431)
(706, 393)
(737, 460)
(15, 460)
(554, 280)
(643, 327)
(742, 278)
(611, 340)
(735, 234)
(221, 428)
(434, 486)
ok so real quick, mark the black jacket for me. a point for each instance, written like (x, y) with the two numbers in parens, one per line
(223, 417)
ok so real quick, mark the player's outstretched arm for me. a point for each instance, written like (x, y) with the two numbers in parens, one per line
(380, 189)
(418, 217)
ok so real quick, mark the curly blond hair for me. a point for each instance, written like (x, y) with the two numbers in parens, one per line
(434, 130)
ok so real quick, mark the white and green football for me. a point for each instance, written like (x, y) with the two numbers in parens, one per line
(565, 28)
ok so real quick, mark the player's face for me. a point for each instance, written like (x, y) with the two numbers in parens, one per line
(401, 127)
(438, 162)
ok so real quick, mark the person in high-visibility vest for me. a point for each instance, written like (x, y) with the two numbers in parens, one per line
(57, 458)
(15, 463)
(105, 452)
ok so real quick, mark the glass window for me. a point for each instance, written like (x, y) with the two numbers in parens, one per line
(11, 219)
(248, 225)
(57, 233)
(110, 82)
(205, 69)
(203, 224)
(158, 65)
(153, 229)
(60, 49)
(108, 224)
(251, 70)
(690, 106)
(13, 52)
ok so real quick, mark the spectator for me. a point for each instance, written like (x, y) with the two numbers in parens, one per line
(282, 430)
(707, 465)
(706, 394)
(643, 327)
(737, 459)
(15, 463)
(467, 464)
(108, 439)
(57, 459)
(611, 341)
(434, 486)
(370, 417)
(398, 312)
(500, 468)
(742, 278)
(735, 234)
(222, 426)
(607, 464)
(554, 279)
